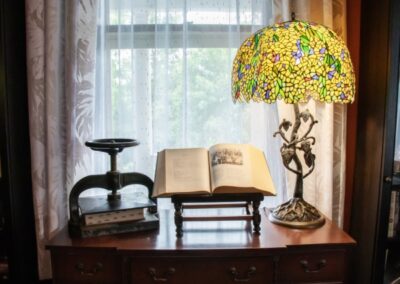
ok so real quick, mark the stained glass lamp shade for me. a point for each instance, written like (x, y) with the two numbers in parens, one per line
(294, 61)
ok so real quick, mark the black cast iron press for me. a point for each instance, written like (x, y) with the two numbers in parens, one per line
(113, 181)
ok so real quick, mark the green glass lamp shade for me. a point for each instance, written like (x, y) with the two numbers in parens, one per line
(293, 61)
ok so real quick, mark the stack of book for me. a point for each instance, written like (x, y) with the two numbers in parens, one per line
(100, 216)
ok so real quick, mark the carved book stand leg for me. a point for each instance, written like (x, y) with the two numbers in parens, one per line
(244, 200)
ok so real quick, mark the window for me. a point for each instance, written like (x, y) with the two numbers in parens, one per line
(163, 76)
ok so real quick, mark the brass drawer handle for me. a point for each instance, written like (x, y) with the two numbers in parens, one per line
(246, 278)
(164, 278)
(318, 267)
(87, 271)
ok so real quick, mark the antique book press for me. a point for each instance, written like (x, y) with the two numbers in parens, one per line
(113, 181)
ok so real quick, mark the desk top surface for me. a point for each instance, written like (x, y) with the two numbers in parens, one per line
(210, 235)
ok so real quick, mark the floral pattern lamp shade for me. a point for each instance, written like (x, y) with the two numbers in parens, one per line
(294, 61)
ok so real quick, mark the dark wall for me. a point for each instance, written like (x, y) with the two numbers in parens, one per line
(377, 104)
(16, 188)
(353, 18)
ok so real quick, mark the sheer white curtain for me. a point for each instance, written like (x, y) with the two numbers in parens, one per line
(61, 42)
(163, 76)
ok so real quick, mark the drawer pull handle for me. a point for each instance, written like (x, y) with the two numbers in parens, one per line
(321, 264)
(89, 272)
(153, 274)
(247, 276)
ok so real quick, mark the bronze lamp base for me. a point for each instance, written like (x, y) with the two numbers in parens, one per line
(297, 213)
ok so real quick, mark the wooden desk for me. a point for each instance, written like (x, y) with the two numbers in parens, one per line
(209, 252)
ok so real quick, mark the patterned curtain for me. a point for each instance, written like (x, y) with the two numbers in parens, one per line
(61, 42)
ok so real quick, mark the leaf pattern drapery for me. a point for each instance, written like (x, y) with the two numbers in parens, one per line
(61, 38)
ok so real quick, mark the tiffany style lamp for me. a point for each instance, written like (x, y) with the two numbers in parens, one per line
(294, 61)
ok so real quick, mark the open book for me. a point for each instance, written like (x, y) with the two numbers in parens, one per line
(224, 168)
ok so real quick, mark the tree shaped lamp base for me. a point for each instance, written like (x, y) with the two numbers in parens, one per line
(297, 213)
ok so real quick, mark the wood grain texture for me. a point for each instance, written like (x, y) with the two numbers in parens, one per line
(210, 235)
(379, 64)
(209, 252)
(353, 43)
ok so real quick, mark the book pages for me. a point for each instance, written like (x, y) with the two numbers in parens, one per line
(239, 168)
(186, 171)
(114, 217)
(261, 176)
(225, 168)
(230, 165)
(159, 179)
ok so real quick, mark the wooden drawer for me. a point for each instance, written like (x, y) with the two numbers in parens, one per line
(86, 267)
(200, 270)
(314, 267)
